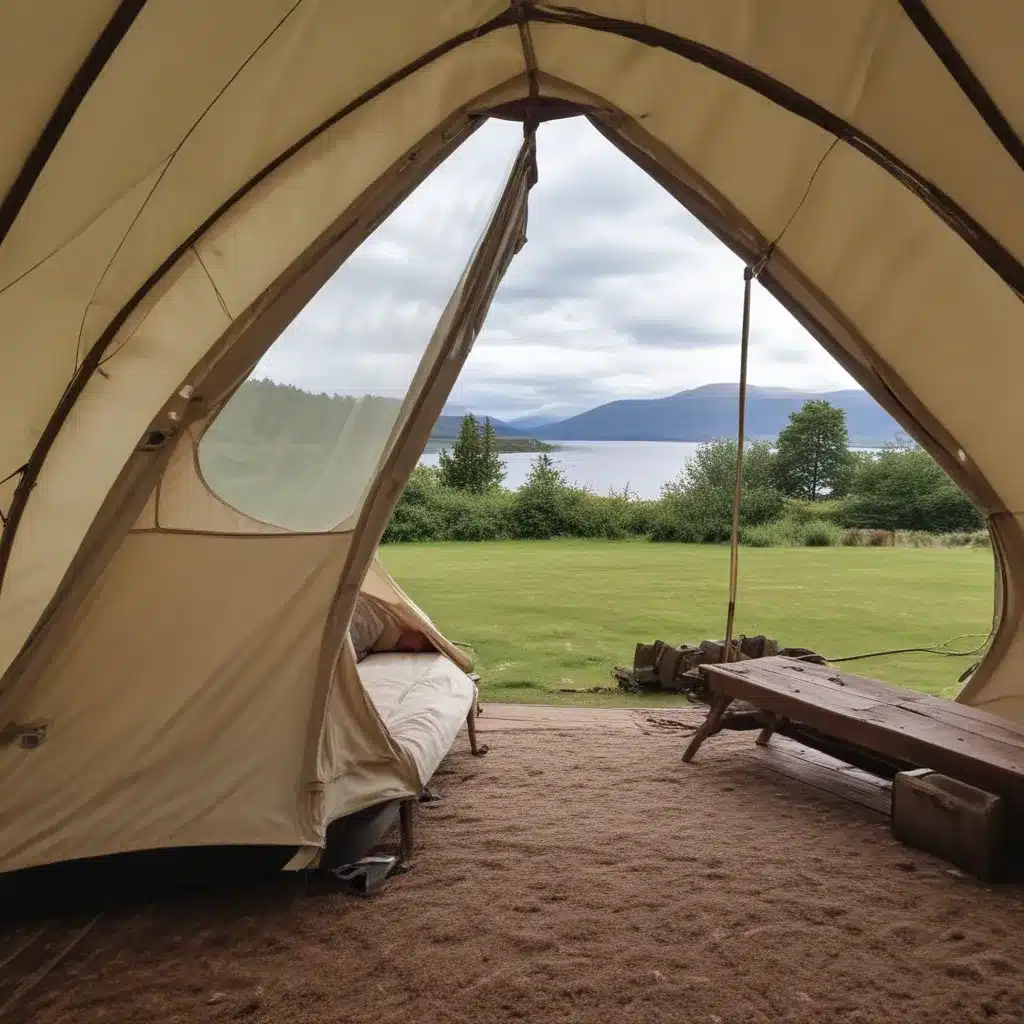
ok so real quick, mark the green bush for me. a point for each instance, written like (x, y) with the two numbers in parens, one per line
(821, 535)
(899, 497)
(905, 489)
(462, 515)
(766, 535)
(802, 510)
(703, 515)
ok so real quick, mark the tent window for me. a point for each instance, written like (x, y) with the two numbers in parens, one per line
(298, 444)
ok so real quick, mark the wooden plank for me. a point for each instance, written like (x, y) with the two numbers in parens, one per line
(885, 728)
(972, 719)
(833, 694)
(1005, 748)
(818, 770)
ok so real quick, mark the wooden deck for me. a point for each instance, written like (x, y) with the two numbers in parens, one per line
(963, 742)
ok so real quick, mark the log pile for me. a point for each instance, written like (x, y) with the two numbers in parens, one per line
(660, 667)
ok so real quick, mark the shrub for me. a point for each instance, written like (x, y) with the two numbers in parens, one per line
(546, 506)
(462, 515)
(821, 535)
(905, 489)
(958, 540)
(703, 515)
(802, 510)
(851, 538)
(766, 535)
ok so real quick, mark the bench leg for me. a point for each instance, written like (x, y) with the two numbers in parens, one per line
(709, 726)
(406, 834)
(767, 732)
(476, 749)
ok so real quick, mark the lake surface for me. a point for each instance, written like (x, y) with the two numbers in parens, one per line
(603, 465)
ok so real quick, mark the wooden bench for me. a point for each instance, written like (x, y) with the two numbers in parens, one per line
(963, 742)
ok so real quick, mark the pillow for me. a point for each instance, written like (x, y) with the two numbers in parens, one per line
(366, 628)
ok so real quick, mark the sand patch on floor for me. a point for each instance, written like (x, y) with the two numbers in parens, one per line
(584, 874)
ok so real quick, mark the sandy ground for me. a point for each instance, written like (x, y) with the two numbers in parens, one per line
(580, 872)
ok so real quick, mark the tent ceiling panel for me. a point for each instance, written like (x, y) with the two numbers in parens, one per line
(228, 152)
(114, 141)
(42, 317)
(987, 37)
(934, 312)
(784, 75)
(756, 153)
(261, 74)
(32, 88)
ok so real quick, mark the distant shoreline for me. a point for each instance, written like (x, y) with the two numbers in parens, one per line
(502, 445)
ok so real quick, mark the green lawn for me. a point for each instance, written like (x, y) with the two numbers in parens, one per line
(540, 615)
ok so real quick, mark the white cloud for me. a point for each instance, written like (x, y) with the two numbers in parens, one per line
(618, 293)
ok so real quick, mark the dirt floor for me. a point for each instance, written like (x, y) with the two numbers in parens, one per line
(580, 872)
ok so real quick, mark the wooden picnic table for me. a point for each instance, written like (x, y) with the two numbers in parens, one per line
(966, 743)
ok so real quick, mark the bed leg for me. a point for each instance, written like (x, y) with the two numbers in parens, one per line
(476, 749)
(406, 809)
(768, 731)
(710, 725)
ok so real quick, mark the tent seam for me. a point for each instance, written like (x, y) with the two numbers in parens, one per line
(934, 35)
(63, 114)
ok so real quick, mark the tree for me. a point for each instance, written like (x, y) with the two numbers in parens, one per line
(460, 468)
(904, 488)
(714, 465)
(492, 469)
(545, 505)
(812, 456)
(697, 505)
(473, 464)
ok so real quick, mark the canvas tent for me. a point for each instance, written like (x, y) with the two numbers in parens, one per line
(177, 177)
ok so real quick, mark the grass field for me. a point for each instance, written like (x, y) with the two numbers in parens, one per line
(545, 615)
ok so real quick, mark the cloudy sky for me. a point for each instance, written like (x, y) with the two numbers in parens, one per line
(619, 292)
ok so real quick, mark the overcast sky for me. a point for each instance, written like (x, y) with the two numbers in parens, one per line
(619, 292)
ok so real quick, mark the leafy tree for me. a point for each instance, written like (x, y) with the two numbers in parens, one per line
(697, 505)
(714, 465)
(904, 488)
(813, 453)
(492, 469)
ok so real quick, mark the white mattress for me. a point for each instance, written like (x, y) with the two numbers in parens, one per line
(423, 699)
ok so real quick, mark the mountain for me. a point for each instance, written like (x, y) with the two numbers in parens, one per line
(532, 422)
(448, 425)
(710, 411)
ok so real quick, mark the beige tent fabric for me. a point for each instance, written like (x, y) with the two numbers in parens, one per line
(198, 692)
(207, 157)
(178, 705)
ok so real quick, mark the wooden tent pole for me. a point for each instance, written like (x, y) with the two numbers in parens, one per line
(734, 542)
